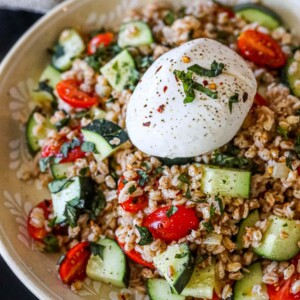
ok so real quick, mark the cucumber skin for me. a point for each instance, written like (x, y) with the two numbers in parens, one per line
(263, 9)
(153, 297)
(285, 77)
(176, 161)
(32, 149)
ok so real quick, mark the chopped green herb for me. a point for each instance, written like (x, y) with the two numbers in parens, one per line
(72, 211)
(58, 185)
(146, 235)
(189, 86)
(44, 86)
(84, 171)
(51, 243)
(52, 222)
(220, 202)
(97, 249)
(184, 178)
(181, 255)
(133, 80)
(297, 146)
(208, 226)
(146, 165)
(66, 147)
(233, 99)
(169, 18)
(173, 209)
(216, 69)
(188, 193)
(88, 147)
(212, 211)
(63, 122)
(124, 181)
(285, 225)
(283, 132)
(131, 189)
(44, 162)
(97, 206)
(158, 171)
(143, 178)
(144, 62)
(288, 161)
(58, 51)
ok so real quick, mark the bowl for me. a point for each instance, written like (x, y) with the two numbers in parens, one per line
(19, 73)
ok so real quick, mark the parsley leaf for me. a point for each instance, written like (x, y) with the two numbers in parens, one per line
(97, 249)
(181, 255)
(143, 178)
(288, 161)
(208, 226)
(216, 69)
(233, 99)
(283, 132)
(184, 178)
(146, 235)
(51, 243)
(88, 147)
(131, 189)
(173, 209)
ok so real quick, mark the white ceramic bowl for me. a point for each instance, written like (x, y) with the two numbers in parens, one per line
(18, 76)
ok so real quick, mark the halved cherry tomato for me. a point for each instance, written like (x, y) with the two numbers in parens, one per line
(133, 204)
(282, 291)
(101, 39)
(39, 233)
(136, 257)
(73, 266)
(69, 91)
(215, 296)
(259, 100)
(261, 49)
(171, 228)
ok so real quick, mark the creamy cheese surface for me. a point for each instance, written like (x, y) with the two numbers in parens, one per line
(159, 123)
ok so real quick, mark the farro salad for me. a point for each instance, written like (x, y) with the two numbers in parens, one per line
(171, 150)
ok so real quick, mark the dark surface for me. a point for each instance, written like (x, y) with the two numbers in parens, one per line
(12, 25)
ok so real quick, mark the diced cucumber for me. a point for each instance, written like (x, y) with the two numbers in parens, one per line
(159, 289)
(243, 289)
(176, 266)
(69, 46)
(250, 221)
(280, 240)
(119, 70)
(66, 190)
(176, 161)
(97, 113)
(202, 283)
(256, 13)
(60, 171)
(33, 137)
(292, 76)
(106, 136)
(51, 76)
(112, 268)
(134, 34)
(226, 182)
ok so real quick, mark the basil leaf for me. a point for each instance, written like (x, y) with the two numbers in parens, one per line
(59, 185)
(44, 163)
(131, 189)
(208, 226)
(58, 51)
(143, 178)
(216, 70)
(62, 122)
(51, 243)
(283, 132)
(88, 147)
(97, 249)
(158, 171)
(212, 211)
(288, 161)
(146, 235)
(297, 146)
(146, 165)
(97, 205)
(184, 178)
(173, 209)
(72, 211)
(221, 206)
(44, 86)
(66, 147)
(52, 222)
(181, 255)
(233, 99)
(188, 193)
(169, 18)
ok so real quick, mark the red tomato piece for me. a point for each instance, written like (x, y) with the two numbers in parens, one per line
(171, 228)
(73, 266)
(101, 39)
(133, 204)
(259, 100)
(39, 233)
(136, 257)
(69, 91)
(215, 296)
(282, 291)
(261, 49)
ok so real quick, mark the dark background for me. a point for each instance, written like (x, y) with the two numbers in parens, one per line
(12, 25)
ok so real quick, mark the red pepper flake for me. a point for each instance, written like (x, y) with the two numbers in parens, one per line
(165, 88)
(205, 82)
(158, 69)
(161, 108)
(147, 124)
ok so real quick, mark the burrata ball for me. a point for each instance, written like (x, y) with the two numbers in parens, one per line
(160, 123)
